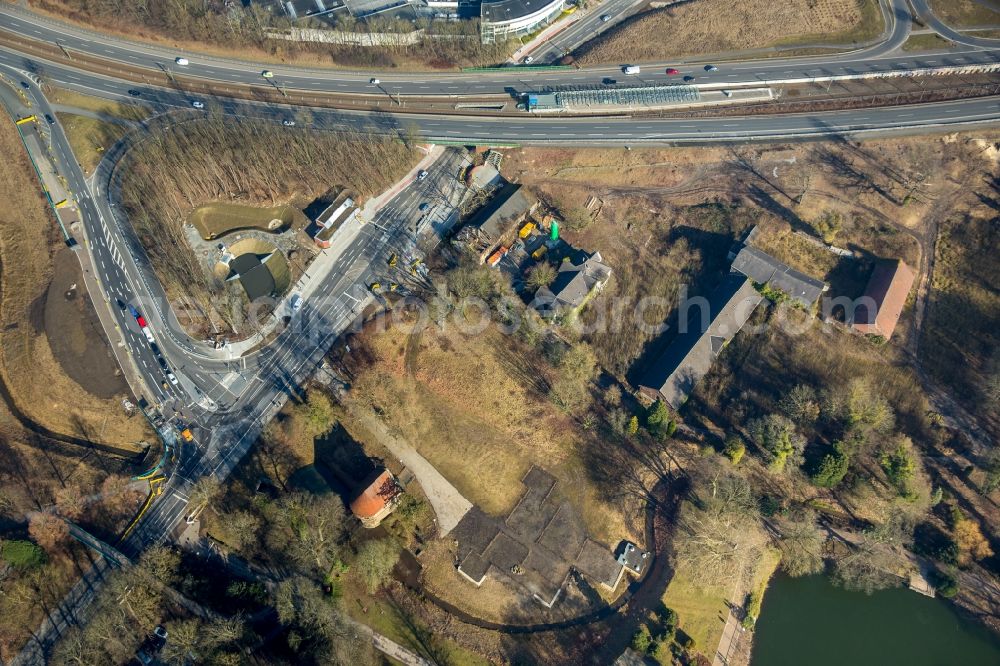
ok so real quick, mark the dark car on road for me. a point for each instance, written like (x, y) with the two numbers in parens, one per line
(49, 119)
(24, 84)
(609, 82)
(133, 92)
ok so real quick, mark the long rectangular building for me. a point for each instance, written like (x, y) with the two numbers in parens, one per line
(708, 326)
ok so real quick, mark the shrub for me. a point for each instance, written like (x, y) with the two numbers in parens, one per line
(833, 468)
(641, 640)
(735, 448)
(22, 554)
(944, 584)
(658, 420)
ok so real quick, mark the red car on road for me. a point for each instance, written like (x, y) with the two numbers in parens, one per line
(671, 71)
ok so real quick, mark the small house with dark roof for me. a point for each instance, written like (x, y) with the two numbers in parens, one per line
(709, 325)
(578, 279)
(252, 272)
(877, 311)
(380, 495)
(632, 559)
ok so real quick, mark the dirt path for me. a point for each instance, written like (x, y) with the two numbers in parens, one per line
(449, 505)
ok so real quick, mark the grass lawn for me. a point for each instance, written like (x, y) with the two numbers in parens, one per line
(926, 42)
(214, 220)
(96, 104)
(471, 406)
(702, 612)
(967, 13)
(89, 138)
(718, 26)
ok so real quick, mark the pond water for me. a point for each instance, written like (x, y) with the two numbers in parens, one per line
(810, 621)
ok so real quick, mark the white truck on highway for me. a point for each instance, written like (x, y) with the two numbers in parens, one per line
(631, 69)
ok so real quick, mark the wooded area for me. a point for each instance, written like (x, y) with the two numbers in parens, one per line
(253, 162)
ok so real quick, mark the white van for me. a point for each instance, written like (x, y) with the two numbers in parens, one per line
(631, 69)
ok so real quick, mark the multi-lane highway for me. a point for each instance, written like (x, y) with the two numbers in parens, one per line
(881, 57)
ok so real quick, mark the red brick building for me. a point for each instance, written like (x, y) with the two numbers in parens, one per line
(878, 311)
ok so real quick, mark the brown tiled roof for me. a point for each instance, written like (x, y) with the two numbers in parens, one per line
(883, 300)
(382, 490)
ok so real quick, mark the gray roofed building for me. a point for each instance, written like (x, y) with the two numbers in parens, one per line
(252, 272)
(577, 279)
(497, 220)
(762, 268)
(703, 335)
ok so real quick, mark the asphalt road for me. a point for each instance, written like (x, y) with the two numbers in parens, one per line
(584, 28)
(881, 57)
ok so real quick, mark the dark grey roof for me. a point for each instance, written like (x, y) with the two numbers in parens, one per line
(762, 268)
(756, 265)
(255, 277)
(575, 280)
(690, 356)
(510, 203)
(632, 558)
(508, 10)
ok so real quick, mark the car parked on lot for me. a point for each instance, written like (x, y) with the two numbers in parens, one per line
(296, 302)
(529, 60)
(288, 123)
(423, 207)
(183, 62)
(422, 174)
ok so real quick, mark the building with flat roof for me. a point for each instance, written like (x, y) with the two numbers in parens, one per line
(505, 19)
(878, 311)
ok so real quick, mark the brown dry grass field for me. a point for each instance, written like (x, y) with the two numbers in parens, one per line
(96, 104)
(29, 239)
(89, 138)
(717, 26)
(667, 217)
(967, 13)
(467, 406)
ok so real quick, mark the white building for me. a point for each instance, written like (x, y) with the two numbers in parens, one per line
(505, 19)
